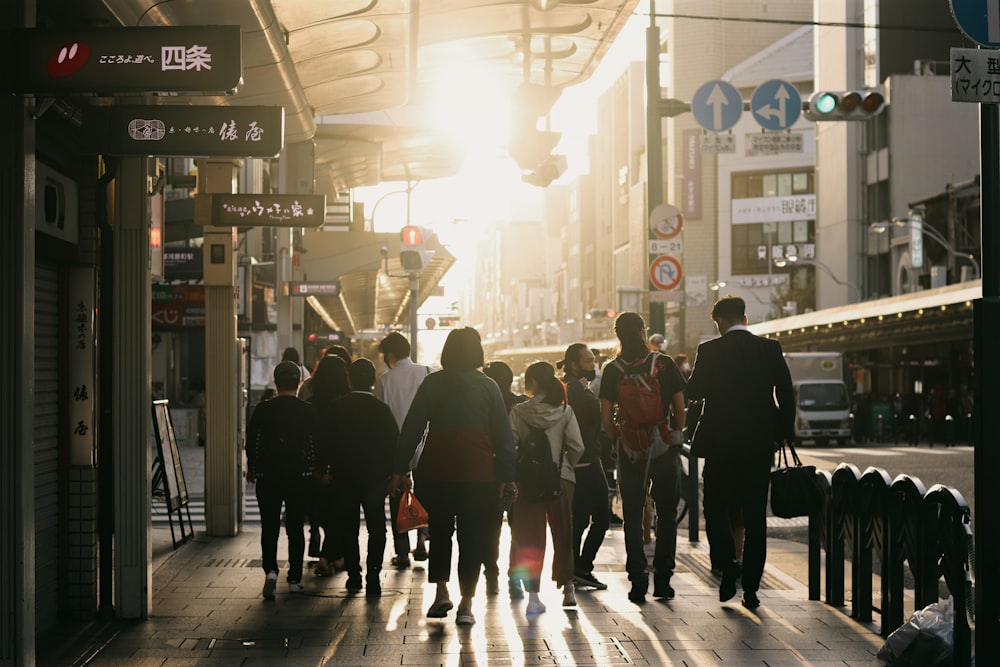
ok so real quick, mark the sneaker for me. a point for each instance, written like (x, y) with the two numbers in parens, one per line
(588, 579)
(354, 583)
(270, 584)
(663, 590)
(464, 614)
(295, 587)
(401, 562)
(569, 595)
(535, 606)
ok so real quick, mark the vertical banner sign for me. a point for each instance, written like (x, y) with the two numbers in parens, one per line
(691, 198)
(80, 366)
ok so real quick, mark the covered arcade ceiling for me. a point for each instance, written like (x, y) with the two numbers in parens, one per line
(352, 77)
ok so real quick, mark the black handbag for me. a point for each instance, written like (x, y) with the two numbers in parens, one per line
(794, 491)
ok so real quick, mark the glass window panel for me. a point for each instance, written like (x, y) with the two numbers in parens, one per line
(740, 187)
(784, 232)
(770, 185)
(784, 185)
(800, 183)
(800, 231)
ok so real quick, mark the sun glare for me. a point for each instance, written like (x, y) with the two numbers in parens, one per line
(466, 103)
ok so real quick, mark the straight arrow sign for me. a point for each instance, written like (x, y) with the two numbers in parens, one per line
(717, 99)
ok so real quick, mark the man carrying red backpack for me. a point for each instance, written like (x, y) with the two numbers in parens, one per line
(639, 391)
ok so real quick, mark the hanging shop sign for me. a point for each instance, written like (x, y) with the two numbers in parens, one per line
(251, 210)
(189, 60)
(185, 131)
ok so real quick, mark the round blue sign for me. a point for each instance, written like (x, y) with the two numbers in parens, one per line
(979, 20)
(717, 106)
(776, 105)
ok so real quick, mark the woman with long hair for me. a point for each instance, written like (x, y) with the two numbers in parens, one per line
(467, 462)
(329, 382)
(548, 412)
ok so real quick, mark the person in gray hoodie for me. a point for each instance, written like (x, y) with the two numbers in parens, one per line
(547, 410)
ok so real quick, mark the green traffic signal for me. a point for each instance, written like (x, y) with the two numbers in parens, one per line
(844, 105)
(825, 103)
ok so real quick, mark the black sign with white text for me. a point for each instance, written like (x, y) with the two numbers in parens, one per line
(185, 131)
(193, 60)
(296, 288)
(250, 210)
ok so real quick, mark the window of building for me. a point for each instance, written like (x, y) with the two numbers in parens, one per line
(755, 245)
(758, 244)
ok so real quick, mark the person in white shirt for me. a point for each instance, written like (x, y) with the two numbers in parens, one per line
(396, 387)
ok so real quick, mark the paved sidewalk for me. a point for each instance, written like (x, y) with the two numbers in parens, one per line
(208, 610)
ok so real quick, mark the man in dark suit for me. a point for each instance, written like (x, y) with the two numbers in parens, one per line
(749, 407)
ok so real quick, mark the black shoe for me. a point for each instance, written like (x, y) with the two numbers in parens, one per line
(663, 590)
(373, 589)
(638, 592)
(354, 583)
(750, 600)
(588, 579)
(727, 589)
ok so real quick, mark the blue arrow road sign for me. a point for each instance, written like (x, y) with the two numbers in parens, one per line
(776, 105)
(717, 105)
(979, 20)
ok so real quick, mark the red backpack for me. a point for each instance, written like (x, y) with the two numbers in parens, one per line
(643, 427)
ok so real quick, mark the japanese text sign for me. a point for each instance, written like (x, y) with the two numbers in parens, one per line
(250, 210)
(975, 75)
(186, 131)
(110, 61)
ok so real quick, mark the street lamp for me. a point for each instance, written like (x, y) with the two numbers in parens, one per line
(782, 262)
(881, 227)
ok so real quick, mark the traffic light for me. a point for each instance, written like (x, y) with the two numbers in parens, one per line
(528, 145)
(844, 105)
(412, 255)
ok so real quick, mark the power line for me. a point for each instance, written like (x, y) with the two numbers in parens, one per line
(823, 24)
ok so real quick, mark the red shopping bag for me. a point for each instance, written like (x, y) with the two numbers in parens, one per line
(412, 514)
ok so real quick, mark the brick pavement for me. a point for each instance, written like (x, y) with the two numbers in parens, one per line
(208, 610)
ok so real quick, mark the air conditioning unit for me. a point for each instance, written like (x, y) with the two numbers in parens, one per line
(56, 204)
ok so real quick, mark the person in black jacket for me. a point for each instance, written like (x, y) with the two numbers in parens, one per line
(501, 373)
(590, 498)
(749, 407)
(359, 439)
(281, 457)
(329, 383)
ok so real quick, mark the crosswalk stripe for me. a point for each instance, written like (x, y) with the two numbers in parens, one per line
(941, 449)
(839, 453)
(197, 508)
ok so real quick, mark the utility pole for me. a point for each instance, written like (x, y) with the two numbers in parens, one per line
(986, 319)
(654, 152)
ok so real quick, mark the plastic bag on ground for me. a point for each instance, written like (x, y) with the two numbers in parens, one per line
(926, 640)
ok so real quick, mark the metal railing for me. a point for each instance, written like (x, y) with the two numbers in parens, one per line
(898, 521)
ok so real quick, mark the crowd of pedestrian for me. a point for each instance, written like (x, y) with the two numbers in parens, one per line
(337, 445)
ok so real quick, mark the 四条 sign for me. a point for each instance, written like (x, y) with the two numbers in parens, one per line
(193, 60)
